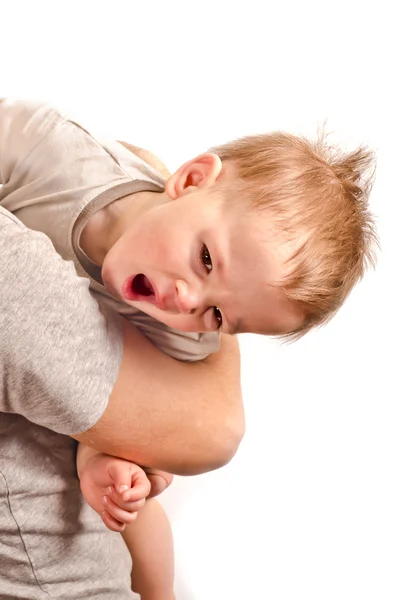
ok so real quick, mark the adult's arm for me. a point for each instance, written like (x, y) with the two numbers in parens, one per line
(185, 418)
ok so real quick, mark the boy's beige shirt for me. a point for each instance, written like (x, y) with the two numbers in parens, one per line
(55, 175)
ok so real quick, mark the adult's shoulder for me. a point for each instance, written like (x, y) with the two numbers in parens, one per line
(60, 352)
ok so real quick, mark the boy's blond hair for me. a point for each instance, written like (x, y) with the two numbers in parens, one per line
(318, 196)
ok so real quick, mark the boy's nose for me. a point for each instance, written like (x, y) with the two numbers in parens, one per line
(187, 297)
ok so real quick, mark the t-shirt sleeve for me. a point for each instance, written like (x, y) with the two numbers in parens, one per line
(23, 125)
(60, 353)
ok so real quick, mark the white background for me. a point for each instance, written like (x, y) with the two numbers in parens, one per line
(308, 507)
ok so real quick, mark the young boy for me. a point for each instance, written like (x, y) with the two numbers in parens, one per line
(268, 234)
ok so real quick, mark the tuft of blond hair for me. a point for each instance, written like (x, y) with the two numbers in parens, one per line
(318, 196)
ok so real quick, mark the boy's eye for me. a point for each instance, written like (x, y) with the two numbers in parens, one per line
(206, 258)
(218, 316)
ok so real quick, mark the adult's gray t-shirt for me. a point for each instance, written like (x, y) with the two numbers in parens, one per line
(52, 545)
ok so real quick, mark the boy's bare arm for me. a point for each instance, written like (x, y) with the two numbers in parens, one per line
(184, 418)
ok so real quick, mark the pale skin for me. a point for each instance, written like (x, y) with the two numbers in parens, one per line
(185, 308)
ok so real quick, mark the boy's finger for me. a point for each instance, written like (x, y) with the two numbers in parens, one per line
(134, 506)
(119, 514)
(159, 481)
(139, 490)
(120, 473)
(157, 484)
(124, 504)
(163, 474)
(111, 523)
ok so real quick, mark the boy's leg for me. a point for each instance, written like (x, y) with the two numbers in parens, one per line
(149, 540)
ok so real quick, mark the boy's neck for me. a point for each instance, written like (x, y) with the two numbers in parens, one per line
(107, 225)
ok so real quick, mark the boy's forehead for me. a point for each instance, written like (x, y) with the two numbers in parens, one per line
(257, 237)
(260, 262)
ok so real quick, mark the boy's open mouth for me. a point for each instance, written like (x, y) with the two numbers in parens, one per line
(139, 289)
(141, 285)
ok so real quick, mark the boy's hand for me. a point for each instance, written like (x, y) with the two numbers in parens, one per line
(115, 488)
(159, 481)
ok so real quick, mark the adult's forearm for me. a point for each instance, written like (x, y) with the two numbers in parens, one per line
(185, 418)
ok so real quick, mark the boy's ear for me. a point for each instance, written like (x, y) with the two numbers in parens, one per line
(199, 172)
